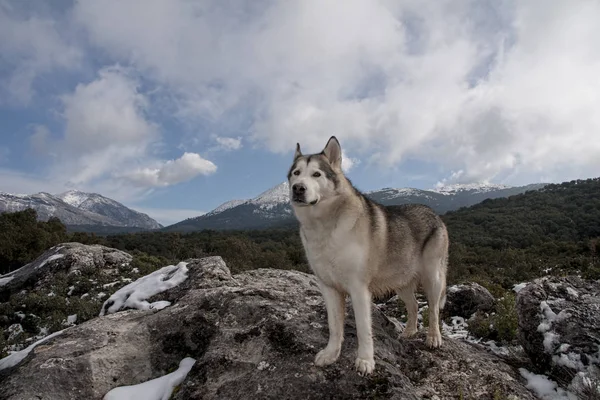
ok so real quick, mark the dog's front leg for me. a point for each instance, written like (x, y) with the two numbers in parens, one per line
(361, 302)
(335, 304)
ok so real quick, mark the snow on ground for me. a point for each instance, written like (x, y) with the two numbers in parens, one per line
(548, 317)
(14, 330)
(155, 389)
(50, 259)
(18, 356)
(134, 295)
(545, 388)
(517, 288)
(5, 280)
(457, 330)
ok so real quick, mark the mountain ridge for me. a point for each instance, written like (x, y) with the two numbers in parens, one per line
(76, 208)
(271, 207)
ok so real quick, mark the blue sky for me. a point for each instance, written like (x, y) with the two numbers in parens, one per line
(176, 107)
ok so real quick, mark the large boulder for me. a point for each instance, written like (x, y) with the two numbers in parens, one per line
(559, 327)
(466, 299)
(66, 257)
(253, 335)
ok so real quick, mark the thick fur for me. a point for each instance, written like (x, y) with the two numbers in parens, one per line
(360, 248)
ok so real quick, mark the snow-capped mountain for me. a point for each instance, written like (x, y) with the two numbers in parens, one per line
(225, 206)
(469, 187)
(272, 209)
(78, 209)
(101, 205)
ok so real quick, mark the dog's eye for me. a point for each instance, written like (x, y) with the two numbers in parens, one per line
(317, 174)
(297, 172)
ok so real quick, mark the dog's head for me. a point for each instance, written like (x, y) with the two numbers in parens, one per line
(315, 177)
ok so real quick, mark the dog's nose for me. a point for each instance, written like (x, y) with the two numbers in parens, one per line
(298, 188)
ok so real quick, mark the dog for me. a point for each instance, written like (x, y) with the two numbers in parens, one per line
(360, 248)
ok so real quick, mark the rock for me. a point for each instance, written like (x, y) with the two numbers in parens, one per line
(253, 335)
(559, 326)
(466, 299)
(67, 257)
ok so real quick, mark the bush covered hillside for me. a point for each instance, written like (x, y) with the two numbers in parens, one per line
(555, 229)
(23, 238)
(501, 241)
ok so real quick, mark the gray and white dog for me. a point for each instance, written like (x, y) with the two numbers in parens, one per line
(360, 248)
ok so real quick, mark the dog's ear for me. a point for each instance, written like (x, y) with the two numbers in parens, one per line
(298, 152)
(333, 152)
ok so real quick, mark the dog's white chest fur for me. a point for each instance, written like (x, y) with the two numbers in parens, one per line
(337, 258)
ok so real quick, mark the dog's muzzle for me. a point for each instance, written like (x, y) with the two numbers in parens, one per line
(299, 195)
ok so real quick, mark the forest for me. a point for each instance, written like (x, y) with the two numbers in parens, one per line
(503, 241)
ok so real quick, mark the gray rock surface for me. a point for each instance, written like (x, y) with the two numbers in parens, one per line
(559, 326)
(67, 257)
(254, 335)
(464, 300)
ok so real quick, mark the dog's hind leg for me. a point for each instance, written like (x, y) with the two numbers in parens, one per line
(336, 309)
(435, 256)
(407, 295)
(361, 303)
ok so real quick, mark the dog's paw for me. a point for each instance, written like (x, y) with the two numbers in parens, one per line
(364, 367)
(409, 332)
(434, 340)
(326, 356)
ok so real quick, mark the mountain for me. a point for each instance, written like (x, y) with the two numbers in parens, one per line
(271, 208)
(106, 207)
(79, 211)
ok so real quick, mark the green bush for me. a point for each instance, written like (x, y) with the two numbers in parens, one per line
(505, 320)
(23, 238)
(501, 325)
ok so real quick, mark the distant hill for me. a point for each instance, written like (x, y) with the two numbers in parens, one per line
(566, 212)
(272, 209)
(89, 212)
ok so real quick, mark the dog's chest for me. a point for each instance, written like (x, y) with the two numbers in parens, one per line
(336, 258)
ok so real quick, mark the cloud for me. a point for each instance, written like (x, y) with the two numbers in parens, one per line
(39, 139)
(188, 166)
(31, 46)
(497, 89)
(228, 144)
(348, 162)
(107, 130)
(106, 112)
(12, 181)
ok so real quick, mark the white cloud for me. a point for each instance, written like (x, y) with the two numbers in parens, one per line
(30, 46)
(106, 128)
(109, 111)
(228, 143)
(188, 166)
(108, 131)
(499, 90)
(348, 162)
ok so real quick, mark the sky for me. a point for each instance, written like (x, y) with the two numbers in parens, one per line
(174, 107)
